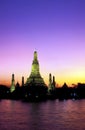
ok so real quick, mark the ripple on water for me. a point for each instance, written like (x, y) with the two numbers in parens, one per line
(60, 115)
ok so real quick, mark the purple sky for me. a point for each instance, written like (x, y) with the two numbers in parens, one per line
(54, 28)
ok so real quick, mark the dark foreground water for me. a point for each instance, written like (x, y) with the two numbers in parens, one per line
(49, 115)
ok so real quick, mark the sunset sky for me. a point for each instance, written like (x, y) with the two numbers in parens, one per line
(54, 28)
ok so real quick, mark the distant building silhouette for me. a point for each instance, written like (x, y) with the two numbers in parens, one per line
(65, 85)
(12, 88)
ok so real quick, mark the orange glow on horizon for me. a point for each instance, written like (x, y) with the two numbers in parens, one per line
(69, 80)
(65, 75)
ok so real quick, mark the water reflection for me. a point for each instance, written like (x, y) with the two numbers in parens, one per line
(48, 115)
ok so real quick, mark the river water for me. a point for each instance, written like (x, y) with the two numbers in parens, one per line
(49, 115)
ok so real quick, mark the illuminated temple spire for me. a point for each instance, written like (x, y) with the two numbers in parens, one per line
(35, 76)
(51, 83)
(12, 84)
(35, 65)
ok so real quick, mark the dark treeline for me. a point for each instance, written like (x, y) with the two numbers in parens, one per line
(40, 93)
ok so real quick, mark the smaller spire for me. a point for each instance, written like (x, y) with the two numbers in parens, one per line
(54, 81)
(22, 81)
(50, 79)
(12, 84)
(51, 83)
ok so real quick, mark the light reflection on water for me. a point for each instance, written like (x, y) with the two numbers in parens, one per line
(56, 115)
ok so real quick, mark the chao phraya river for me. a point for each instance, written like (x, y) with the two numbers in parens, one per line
(49, 115)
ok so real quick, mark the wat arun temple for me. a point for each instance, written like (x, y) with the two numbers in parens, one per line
(35, 84)
(35, 89)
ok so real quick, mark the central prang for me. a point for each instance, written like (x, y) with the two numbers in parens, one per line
(35, 76)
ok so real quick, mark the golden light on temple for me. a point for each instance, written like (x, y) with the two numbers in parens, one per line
(35, 76)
